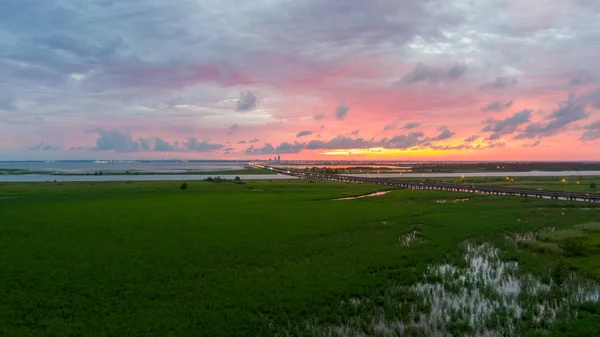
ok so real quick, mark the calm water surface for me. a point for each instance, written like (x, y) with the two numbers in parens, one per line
(141, 177)
(123, 166)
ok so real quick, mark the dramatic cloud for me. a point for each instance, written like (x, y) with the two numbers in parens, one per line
(506, 126)
(115, 140)
(340, 142)
(592, 132)
(471, 139)
(341, 112)
(423, 73)
(166, 70)
(534, 144)
(144, 144)
(192, 144)
(571, 110)
(304, 133)
(390, 126)
(45, 147)
(497, 106)
(233, 128)
(269, 149)
(162, 145)
(499, 83)
(246, 102)
(412, 125)
(445, 134)
(403, 141)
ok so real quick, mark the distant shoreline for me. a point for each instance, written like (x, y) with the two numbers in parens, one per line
(134, 173)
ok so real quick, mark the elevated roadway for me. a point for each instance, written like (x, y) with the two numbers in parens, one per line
(467, 188)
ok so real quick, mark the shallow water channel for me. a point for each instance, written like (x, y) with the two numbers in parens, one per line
(364, 196)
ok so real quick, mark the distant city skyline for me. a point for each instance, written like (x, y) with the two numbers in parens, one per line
(315, 79)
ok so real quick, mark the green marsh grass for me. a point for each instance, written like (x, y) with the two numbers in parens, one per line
(146, 258)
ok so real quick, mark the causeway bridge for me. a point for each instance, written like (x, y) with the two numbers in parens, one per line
(467, 188)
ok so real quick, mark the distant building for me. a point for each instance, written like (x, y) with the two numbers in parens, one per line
(278, 159)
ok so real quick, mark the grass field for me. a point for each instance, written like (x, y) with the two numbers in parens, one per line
(277, 257)
(573, 184)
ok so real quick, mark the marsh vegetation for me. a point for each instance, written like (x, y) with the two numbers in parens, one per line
(146, 258)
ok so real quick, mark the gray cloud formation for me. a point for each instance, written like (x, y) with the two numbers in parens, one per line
(499, 83)
(411, 125)
(592, 132)
(423, 73)
(45, 147)
(390, 126)
(203, 146)
(506, 126)
(269, 149)
(304, 133)
(445, 134)
(233, 129)
(341, 112)
(246, 102)
(115, 140)
(534, 144)
(339, 142)
(342, 143)
(471, 139)
(497, 106)
(241, 142)
(467, 146)
(108, 52)
(569, 111)
(144, 144)
(162, 145)
(406, 141)
(254, 140)
(407, 126)
(319, 116)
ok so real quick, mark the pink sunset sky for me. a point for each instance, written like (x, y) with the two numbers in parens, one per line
(312, 79)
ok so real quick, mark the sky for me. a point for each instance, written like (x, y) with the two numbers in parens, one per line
(302, 79)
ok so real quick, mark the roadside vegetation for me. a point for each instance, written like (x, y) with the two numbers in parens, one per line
(573, 184)
(283, 258)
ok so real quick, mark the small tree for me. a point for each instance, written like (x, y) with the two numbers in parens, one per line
(183, 186)
(593, 186)
(237, 179)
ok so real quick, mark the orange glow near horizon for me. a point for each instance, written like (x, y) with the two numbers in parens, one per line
(379, 151)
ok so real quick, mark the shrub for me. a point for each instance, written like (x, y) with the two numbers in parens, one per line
(574, 247)
(593, 186)
(589, 227)
(562, 235)
(183, 186)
